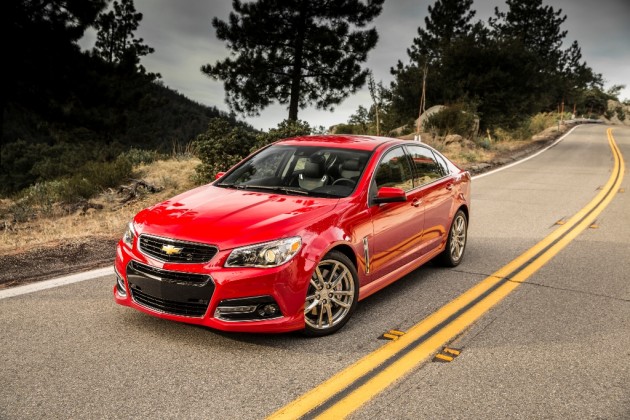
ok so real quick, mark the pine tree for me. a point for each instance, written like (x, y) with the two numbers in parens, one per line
(538, 27)
(559, 74)
(447, 20)
(115, 42)
(295, 52)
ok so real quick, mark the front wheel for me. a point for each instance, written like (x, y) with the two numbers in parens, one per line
(456, 242)
(332, 295)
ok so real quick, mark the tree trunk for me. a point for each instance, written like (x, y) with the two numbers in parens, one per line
(422, 97)
(296, 74)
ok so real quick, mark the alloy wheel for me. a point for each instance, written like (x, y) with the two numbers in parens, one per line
(458, 237)
(331, 296)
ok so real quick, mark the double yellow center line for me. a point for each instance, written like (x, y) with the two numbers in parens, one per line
(348, 390)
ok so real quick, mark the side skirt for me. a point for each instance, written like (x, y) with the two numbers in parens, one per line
(377, 285)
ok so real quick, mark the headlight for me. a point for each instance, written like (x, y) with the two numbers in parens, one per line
(268, 254)
(129, 235)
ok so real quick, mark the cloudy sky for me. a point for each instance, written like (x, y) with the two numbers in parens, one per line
(183, 38)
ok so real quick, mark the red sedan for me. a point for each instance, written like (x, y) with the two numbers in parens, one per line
(295, 235)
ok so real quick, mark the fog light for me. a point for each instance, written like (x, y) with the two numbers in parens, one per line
(248, 309)
(120, 286)
(270, 309)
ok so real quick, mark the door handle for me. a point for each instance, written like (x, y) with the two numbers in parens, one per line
(449, 187)
(416, 203)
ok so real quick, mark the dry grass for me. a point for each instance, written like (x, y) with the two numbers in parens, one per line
(172, 176)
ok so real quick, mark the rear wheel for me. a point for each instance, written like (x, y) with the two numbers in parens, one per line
(332, 295)
(456, 242)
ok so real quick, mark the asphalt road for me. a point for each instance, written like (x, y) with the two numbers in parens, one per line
(557, 347)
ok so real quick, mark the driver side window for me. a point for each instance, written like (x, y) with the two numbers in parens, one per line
(394, 170)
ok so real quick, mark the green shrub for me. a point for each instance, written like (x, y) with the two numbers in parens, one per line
(541, 121)
(221, 147)
(484, 143)
(620, 113)
(22, 211)
(107, 174)
(454, 119)
(141, 156)
(75, 189)
(284, 130)
(345, 129)
(93, 178)
(42, 195)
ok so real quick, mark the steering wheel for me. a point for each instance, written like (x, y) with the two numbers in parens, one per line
(347, 181)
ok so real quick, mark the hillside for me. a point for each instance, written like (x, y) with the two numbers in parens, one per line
(102, 114)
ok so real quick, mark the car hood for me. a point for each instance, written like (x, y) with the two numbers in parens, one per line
(230, 218)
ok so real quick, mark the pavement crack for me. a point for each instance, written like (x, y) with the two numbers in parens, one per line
(473, 273)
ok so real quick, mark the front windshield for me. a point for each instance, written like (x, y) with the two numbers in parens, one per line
(300, 170)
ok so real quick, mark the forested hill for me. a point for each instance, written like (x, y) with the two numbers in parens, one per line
(99, 114)
(112, 110)
(63, 108)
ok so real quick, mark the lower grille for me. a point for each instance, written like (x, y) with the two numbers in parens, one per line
(171, 292)
(170, 306)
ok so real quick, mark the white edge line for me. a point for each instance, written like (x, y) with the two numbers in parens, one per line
(528, 157)
(88, 275)
(60, 281)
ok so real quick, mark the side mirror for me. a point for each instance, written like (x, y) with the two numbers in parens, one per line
(390, 195)
(219, 175)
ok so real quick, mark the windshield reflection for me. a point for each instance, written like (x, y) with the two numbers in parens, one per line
(300, 170)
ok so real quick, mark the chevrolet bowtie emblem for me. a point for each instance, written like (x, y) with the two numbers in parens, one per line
(171, 250)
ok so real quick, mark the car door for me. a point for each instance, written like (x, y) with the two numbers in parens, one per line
(435, 191)
(397, 227)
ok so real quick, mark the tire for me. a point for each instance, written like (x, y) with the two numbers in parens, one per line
(456, 242)
(332, 295)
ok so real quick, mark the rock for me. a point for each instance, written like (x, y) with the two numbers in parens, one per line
(453, 138)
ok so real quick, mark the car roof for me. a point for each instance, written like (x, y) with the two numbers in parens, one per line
(341, 141)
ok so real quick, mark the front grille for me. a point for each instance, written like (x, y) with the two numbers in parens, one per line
(173, 292)
(170, 306)
(172, 250)
(178, 277)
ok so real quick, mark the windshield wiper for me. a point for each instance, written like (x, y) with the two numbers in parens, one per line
(285, 190)
(230, 185)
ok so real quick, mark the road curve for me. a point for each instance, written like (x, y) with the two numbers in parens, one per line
(556, 347)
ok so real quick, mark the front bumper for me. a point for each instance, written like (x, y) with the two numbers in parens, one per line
(228, 299)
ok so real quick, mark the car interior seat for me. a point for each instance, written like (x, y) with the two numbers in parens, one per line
(314, 175)
(351, 169)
